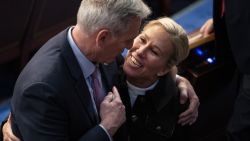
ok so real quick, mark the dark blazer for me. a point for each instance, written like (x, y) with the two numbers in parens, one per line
(51, 100)
(153, 116)
(224, 53)
(237, 22)
(234, 27)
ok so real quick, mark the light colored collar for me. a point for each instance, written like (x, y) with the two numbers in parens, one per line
(141, 91)
(86, 65)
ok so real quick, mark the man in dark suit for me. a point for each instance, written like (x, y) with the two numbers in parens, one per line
(54, 97)
(231, 25)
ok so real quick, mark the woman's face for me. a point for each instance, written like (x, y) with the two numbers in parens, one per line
(147, 59)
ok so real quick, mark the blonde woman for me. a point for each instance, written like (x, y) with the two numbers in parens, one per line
(148, 88)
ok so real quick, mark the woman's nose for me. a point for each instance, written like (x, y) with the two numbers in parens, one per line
(141, 51)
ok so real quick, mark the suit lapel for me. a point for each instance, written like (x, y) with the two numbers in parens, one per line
(84, 95)
(109, 75)
(76, 73)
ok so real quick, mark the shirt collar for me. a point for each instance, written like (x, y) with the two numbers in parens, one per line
(140, 91)
(86, 65)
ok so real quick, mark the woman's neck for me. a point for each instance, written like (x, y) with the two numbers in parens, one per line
(141, 82)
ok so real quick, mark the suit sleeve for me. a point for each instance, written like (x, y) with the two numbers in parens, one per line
(38, 116)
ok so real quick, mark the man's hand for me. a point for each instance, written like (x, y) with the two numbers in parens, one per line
(7, 131)
(187, 92)
(112, 112)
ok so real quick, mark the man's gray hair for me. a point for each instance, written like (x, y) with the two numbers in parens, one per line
(112, 14)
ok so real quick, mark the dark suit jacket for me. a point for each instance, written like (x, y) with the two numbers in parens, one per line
(153, 116)
(224, 53)
(51, 100)
(234, 27)
(234, 30)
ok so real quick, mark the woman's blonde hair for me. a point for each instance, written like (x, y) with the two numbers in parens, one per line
(178, 38)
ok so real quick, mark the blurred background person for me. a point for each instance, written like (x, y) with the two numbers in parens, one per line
(231, 26)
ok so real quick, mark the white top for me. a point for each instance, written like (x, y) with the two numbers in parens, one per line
(135, 91)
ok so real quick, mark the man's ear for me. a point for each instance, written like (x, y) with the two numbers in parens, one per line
(102, 37)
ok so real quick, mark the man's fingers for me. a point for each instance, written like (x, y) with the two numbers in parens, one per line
(188, 119)
(184, 121)
(113, 96)
(109, 97)
(185, 113)
(191, 109)
(193, 120)
(189, 116)
(116, 94)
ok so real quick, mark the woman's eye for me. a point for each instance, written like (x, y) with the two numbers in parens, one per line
(154, 52)
(143, 40)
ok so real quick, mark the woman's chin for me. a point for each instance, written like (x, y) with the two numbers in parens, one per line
(129, 72)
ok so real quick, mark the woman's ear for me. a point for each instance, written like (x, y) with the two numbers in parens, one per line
(102, 37)
(173, 72)
(164, 71)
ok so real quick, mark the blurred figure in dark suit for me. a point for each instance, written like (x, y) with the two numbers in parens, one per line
(231, 24)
